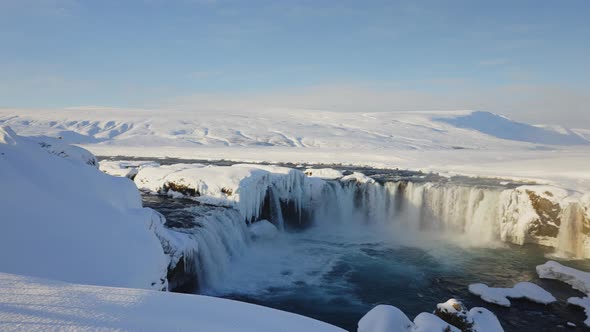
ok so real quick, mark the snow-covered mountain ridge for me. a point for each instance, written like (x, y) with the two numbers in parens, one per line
(286, 128)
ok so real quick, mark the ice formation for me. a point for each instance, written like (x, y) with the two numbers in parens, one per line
(500, 296)
(579, 280)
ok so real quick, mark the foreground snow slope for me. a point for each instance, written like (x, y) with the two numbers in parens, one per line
(473, 143)
(61, 218)
(31, 304)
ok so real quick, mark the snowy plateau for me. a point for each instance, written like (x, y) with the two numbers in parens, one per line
(81, 252)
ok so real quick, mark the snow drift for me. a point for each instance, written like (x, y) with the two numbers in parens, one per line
(44, 305)
(63, 219)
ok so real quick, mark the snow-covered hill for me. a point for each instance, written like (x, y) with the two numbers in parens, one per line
(465, 142)
(284, 128)
(64, 219)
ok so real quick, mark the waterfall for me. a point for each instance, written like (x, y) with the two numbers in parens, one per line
(413, 207)
(220, 234)
(569, 239)
(477, 215)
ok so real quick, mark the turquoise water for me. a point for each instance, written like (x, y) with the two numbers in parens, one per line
(338, 278)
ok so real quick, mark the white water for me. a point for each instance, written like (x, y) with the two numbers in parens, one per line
(221, 236)
(411, 208)
(569, 239)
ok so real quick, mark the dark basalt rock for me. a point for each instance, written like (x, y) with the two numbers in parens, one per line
(459, 319)
(181, 188)
(547, 225)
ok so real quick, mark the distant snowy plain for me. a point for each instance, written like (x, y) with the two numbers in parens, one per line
(457, 142)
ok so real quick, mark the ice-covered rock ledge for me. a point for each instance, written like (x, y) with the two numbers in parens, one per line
(242, 186)
(539, 214)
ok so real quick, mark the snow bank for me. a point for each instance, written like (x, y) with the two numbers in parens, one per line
(65, 220)
(324, 173)
(386, 318)
(579, 280)
(124, 168)
(42, 305)
(358, 177)
(500, 296)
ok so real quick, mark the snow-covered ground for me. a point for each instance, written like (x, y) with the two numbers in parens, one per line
(33, 304)
(463, 142)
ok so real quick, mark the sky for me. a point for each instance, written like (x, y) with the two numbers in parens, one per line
(529, 60)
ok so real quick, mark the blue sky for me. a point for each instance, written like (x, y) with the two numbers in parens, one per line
(527, 59)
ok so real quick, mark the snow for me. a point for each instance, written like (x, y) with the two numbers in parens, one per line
(358, 177)
(87, 227)
(500, 296)
(124, 168)
(579, 280)
(425, 322)
(384, 318)
(324, 173)
(33, 304)
(263, 230)
(502, 127)
(427, 141)
(387, 318)
(484, 320)
(241, 186)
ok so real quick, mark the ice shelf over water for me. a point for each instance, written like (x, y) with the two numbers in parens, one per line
(522, 290)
